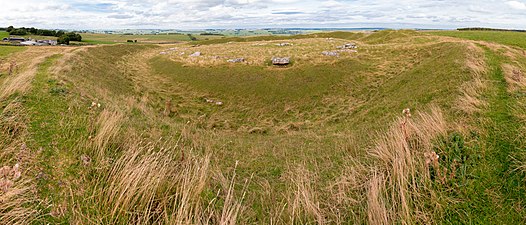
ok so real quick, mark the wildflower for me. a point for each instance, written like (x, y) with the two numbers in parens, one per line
(431, 157)
(407, 112)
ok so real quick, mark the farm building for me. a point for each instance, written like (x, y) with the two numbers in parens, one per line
(13, 39)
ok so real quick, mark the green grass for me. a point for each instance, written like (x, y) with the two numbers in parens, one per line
(492, 191)
(507, 38)
(3, 34)
(325, 102)
(5, 51)
(319, 96)
(146, 38)
(57, 125)
(337, 34)
(274, 119)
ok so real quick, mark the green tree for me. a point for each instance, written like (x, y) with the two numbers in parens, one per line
(63, 40)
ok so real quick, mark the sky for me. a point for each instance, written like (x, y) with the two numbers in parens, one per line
(199, 14)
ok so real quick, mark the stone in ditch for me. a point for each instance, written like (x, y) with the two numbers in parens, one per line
(329, 53)
(238, 60)
(280, 61)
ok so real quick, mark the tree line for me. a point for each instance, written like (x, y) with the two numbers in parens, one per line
(487, 29)
(62, 37)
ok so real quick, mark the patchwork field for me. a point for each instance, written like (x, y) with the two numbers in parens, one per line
(408, 128)
(146, 38)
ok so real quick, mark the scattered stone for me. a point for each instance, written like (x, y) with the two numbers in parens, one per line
(330, 53)
(163, 53)
(280, 61)
(182, 53)
(348, 46)
(213, 101)
(195, 54)
(172, 49)
(284, 44)
(238, 60)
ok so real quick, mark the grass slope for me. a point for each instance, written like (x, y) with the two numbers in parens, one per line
(310, 143)
(507, 38)
(146, 38)
(3, 34)
(337, 34)
(492, 191)
(6, 50)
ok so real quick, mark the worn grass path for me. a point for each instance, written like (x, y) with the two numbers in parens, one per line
(495, 192)
(55, 127)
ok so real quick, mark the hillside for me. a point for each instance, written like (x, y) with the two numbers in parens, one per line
(148, 134)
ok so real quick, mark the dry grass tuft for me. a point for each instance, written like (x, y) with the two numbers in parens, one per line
(19, 82)
(12, 124)
(148, 185)
(470, 100)
(514, 76)
(21, 77)
(109, 124)
(401, 176)
(303, 201)
(376, 210)
(16, 198)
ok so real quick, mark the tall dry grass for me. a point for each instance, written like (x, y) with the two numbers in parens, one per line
(400, 184)
(152, 185)
(18, 203)
(303, 203)
(514, 76)
(108, 127)
(470, 100)
(390, 185)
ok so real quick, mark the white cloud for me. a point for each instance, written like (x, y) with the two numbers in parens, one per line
(110, 14)
(517, 5)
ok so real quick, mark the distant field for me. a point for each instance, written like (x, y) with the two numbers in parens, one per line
(149, 38)
(508, 38)
(6, 50)
(3, 34)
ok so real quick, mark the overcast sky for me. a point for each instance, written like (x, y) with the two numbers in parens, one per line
(188, 14)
